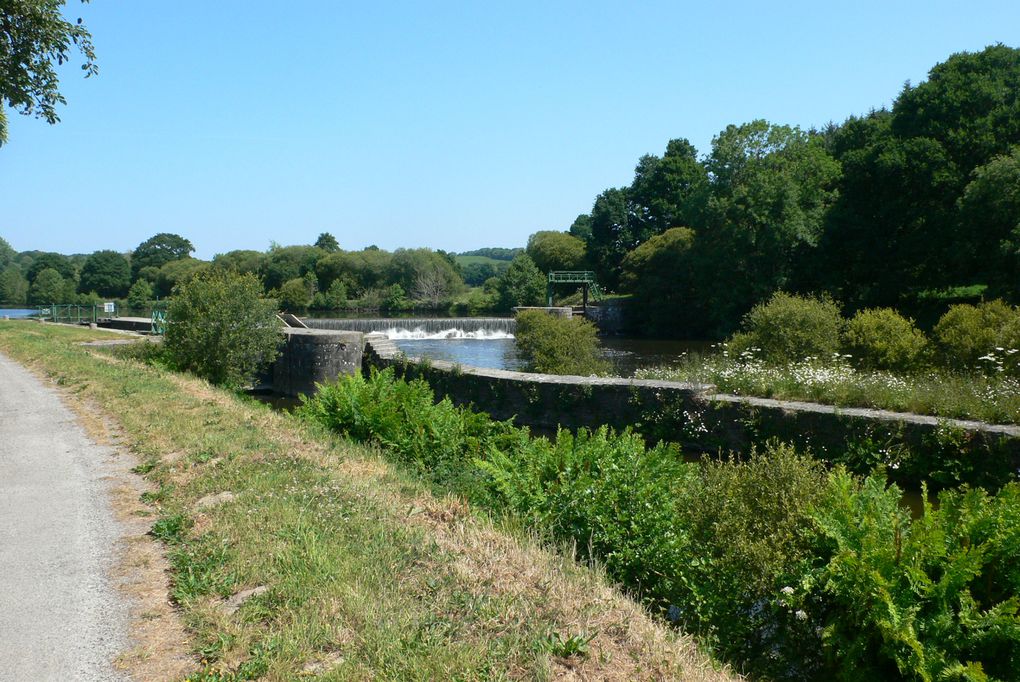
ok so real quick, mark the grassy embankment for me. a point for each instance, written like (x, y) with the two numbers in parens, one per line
(368, 575)
(940, 393)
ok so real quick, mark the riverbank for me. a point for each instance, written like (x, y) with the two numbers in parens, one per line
(297, 553)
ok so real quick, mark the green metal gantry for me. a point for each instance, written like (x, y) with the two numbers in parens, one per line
(586, 278)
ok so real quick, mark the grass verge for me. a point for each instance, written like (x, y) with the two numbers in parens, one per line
(358, 571)
(941, 393)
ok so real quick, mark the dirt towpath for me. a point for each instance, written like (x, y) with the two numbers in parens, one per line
(60, 616)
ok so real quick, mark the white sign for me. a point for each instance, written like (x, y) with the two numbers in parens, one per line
(109, 307)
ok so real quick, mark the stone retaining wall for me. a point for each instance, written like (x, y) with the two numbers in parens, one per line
(914, 447)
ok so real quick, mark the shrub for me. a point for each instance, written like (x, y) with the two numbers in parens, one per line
(789, 328)
(221, 329)
(747, 521)
(967, 332)
(558, 345)
(929, 599)
(881, 338)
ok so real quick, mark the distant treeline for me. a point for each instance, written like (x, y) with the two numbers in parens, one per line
(299, 277)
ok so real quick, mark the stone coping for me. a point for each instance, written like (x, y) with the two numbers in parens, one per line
(387, 350)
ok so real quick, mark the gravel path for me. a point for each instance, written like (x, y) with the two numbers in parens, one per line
(60, 616)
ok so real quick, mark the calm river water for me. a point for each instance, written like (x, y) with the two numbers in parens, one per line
(626, 355)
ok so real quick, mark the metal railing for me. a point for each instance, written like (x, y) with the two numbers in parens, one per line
(586, 278)
(72, 313)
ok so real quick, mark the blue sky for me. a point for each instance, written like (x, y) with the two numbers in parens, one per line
(440, 124)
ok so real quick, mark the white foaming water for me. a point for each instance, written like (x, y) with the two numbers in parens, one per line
(401, 334)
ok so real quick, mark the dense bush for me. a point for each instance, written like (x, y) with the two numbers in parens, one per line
(790, 328)
(792, 572)
(558, 345)
(881, 338)
(968, 332)
(221, 329)
(928, 599)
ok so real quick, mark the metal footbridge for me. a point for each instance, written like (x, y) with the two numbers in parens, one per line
(585, 278)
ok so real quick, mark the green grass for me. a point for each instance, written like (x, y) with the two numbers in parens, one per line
(369, 575)
(940, 393)
(468, 260)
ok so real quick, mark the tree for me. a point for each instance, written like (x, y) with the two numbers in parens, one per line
(555, 251)
(34, 35)
(13, 286)
(285, 263)
(327, 242)
(7, 253)
(140, 294)
(771, 188)
(522, 284)
(581, 227)
(660, 274)
(990, 217)
(241, 261)
(294, 295)
(158, 250)
(178, 272)
(55, 261)
(219, 327)
(107, 273)
(671, 191)
(48, 287)
(612, 235)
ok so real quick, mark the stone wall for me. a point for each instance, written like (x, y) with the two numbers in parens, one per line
(312, 356)
(914, 447)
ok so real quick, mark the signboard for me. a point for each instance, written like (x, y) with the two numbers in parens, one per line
(109, 307)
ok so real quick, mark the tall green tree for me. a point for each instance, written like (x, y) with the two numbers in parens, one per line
(158, 250)
(34, 37)
(45, 261)
(771, 188)
(660, 272)
(552, 250)
(671, 191)
(990, 220)
(327, 242)
(522, 284)
(7, 253)
(48, 287)
(13, 286)
(284, 263)
(107, 273)
(581, 227)
(613, 234)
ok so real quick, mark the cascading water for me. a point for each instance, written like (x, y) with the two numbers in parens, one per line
(456, 328)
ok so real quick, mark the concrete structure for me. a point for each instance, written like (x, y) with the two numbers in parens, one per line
(312, 356)
(557, 311)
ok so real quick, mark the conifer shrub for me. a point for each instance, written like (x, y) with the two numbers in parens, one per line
(881, 338)
(790, 328)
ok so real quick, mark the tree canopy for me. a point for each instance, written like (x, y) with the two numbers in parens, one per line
(107, 273)
(158, 250)
(34, 39)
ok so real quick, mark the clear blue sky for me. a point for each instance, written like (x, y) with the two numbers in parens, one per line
(440, 124)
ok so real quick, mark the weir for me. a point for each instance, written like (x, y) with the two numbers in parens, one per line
(423, 328)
